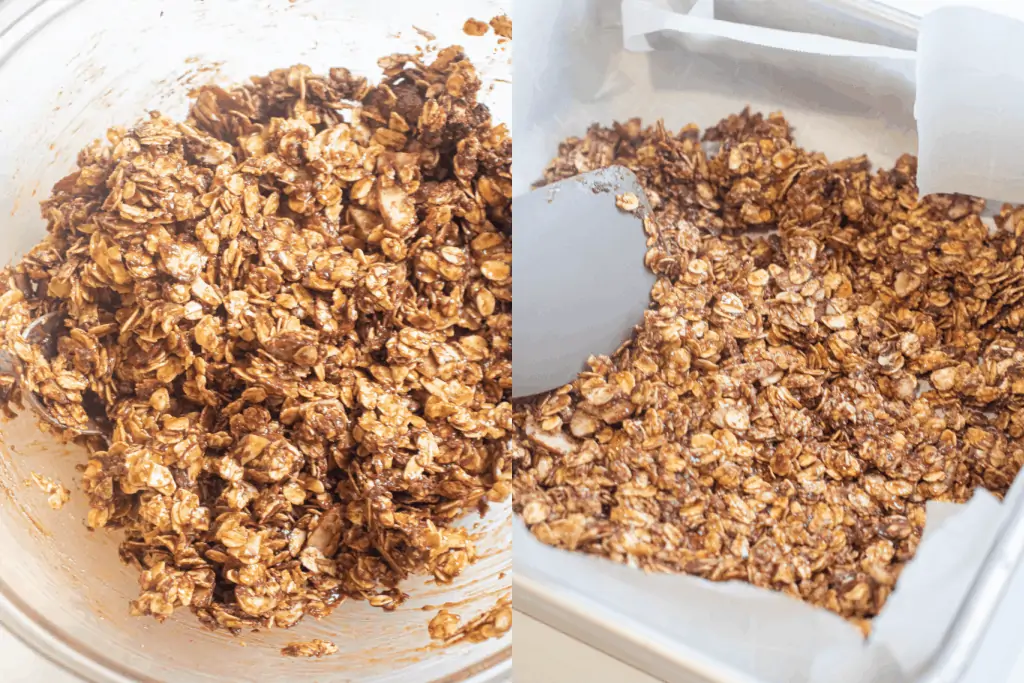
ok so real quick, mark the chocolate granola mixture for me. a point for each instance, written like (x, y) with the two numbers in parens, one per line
(824, 353)
(292, 310)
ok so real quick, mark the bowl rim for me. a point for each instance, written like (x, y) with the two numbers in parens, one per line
(45, 639)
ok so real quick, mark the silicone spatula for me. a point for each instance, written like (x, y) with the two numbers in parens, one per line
(580, 284)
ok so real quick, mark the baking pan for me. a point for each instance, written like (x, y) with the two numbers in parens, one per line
(615, 85)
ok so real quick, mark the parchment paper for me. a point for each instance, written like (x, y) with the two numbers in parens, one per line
(970, 85)
(859, 99)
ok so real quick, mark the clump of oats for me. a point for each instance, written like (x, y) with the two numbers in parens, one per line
(444, 625)
(294, 310)
(57, 494)
(475, 27)
(765, 421)
(502, 26)
(627, 201)
(491, 623)
(313, 648)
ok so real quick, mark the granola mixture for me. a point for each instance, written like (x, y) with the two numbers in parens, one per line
(791, 399)
(443, 625)
(628, 202)
(57, 494)
(475, 27)
(293, 310)
(491, 623)
(502, 26)
(313, 648)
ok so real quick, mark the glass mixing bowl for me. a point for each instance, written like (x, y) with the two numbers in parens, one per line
(69, 69)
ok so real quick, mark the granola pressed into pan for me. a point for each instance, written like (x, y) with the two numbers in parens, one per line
(825, 351)
(293, 312)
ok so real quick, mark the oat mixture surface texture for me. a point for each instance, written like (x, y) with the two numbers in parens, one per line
(293, 310)
(790, 402)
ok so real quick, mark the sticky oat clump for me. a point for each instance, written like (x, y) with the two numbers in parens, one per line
(294, 310)
(315, 648)
(502, 26)
(791, 401)
(475, 27)
(491, 623)
(57, 494)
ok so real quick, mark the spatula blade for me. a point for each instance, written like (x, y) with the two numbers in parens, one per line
(580, 284)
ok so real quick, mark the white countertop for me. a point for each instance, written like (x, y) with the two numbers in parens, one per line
(18, 664)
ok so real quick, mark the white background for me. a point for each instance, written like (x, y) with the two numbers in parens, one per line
(543, 655)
